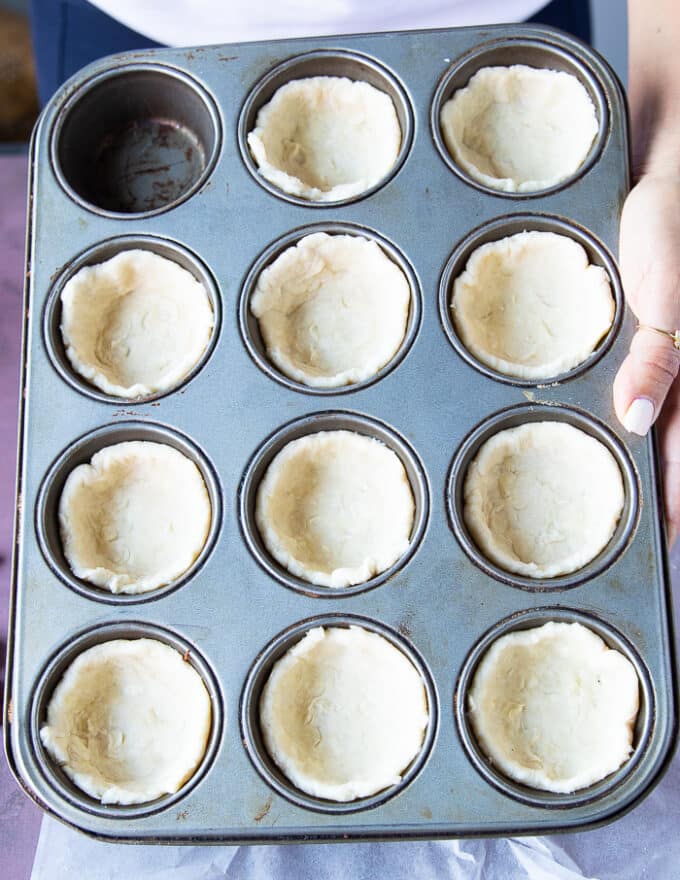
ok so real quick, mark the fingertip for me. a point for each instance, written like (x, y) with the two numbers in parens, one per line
(643, 381)
(639, 416)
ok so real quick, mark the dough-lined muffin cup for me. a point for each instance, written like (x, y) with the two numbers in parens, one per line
(343, 713)
(129, 721)
(332, 310)
(519, 128)
(326, 138)
(531, 305)
(136, 324)
(335, 508)
(553, 707)
(542, 499)
(135, 518)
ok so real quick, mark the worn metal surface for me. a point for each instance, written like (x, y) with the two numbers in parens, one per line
(238, 610)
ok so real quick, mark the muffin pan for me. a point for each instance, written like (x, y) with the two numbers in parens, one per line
(171, 171)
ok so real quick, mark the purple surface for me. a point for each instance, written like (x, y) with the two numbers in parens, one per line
(19, 818)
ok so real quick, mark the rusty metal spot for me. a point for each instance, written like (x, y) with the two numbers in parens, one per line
(146, 165)
(404, 630)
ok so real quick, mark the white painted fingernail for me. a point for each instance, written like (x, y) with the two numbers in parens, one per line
(640, 415)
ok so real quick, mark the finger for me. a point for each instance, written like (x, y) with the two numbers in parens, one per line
(644, 379)
(650, 268)
(669, 425)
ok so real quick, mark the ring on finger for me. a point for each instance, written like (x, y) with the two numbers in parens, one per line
(673, 335)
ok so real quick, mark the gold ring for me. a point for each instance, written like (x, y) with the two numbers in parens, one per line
(673, 335)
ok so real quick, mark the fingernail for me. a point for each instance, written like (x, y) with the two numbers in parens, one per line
(640, 415)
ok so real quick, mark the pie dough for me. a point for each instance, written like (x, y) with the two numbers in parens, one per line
(343, 713)
(542, 499)
(326, 138)
(553, 707)
(519, 128)
(129, 721)
(135, 518)
(335, 508)
(136, 324)
(332, 310)
(531, 306)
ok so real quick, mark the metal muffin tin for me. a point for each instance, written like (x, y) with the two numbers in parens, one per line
(180, 180)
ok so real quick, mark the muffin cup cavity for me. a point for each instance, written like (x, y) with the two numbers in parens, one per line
(312, 424)
(326, 62)
(250, 723)
(535, 797)
(125, 121)
(521, 415)
(249, 324)
(80, 452)
(512, 224)
(50, 677)
(505, 53)
(100, 253)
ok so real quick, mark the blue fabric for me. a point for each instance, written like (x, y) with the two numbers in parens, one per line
(68, 34)
(572, 16)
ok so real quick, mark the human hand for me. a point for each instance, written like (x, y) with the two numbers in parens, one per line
(650, 271)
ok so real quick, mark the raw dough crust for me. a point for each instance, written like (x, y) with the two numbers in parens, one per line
(136, 324)
(553, 707)
(519, 128)
(531, 306)
(326, 138)
(332, 309)
(343, 713)
(129, 721)
(335, 508)
(543, 499)
(135, 518)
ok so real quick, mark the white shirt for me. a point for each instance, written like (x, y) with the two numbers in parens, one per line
(202, 22)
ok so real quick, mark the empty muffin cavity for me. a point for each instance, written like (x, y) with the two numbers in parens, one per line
(531, 305)
(542, 499)
(135, 325)
(332, 310)
(519, 128)
(135, 518)
(326, 138)
(553, 707)
(135, 140)
(343, 713)
(129, 721)
(335, 508)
